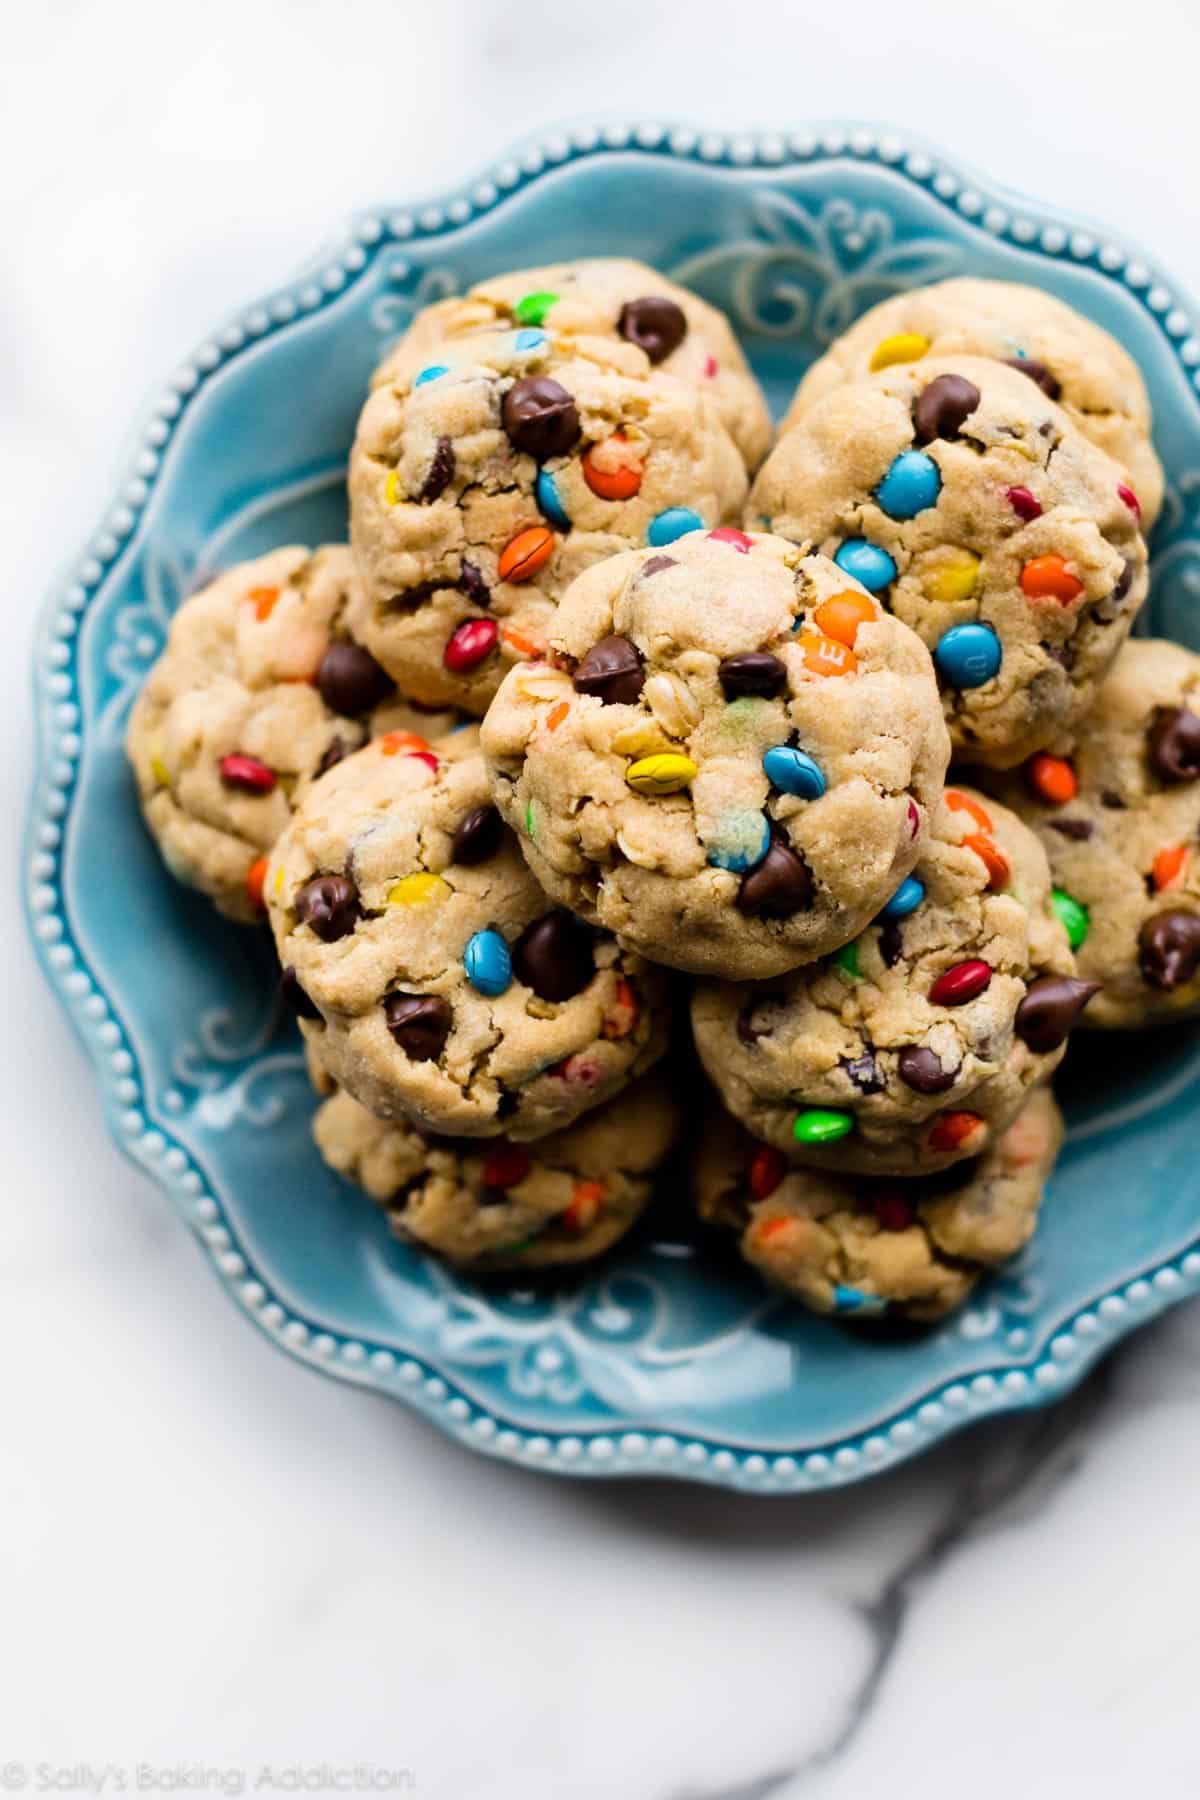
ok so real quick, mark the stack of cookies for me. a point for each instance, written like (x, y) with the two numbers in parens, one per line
(603, 725)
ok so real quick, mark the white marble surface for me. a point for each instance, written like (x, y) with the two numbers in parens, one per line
(206, 1554)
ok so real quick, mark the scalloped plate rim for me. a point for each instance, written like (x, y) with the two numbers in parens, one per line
(645, 1449)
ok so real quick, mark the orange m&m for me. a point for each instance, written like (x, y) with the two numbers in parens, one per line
(256, 875)
(841, 615)
(825, 655)
(1051, 778)
(1169, 866)
(607, 474)
(524, 555)
(959, 802)
(1050, 578)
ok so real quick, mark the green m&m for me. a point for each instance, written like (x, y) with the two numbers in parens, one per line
(821, 1125)
(1072, 914)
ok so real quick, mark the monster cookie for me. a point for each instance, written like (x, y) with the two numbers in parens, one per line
(606, 299)
(1094, 380)
(260, 687)
(915, 1045)
(858, 1247)
(501, 1205)
(970, 504)
(1119, 816)
(730, 757)
(439, 980)
(482, 483)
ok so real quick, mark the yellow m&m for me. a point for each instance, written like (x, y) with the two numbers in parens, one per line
(664, 773)
(904, 347)
(416, 890)
(953, 577)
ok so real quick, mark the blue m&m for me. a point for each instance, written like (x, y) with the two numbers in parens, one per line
(529, 339)
(906, 899)
(430, 373)
(550, 504)
(740, 842)
(793, 771)
(488, 962)
(666, 526)
(866, 563)
(968, 655)
(913, 482)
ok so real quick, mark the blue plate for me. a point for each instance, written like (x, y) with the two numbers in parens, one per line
(662, 1359)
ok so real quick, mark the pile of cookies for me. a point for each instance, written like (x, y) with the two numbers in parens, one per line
(613, 720)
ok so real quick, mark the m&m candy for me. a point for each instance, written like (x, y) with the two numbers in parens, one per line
(968, 655)
(794, 771)
(912, 483)
(867, 563)
(488, 962)
(674, 523)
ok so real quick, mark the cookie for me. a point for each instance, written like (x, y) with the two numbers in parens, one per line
(260, 687)
(862, 1248)
(483, 482)
(499, 1205)
(1094, 380)
(728, 759)
(971, 505)
(610, 299)
(1119, 816)
(915, 1045)
(441, 983)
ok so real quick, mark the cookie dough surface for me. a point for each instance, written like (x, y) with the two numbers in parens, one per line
(483, 482)
(979, 514)
(729, 758)
(565, 1199)
(617, 300)
(916, 1045)
(1095, 381)
(859, 1247)
(1119, 816)
(436, 979)
(261, 685)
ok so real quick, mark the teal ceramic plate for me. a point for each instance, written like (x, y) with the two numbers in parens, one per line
(661, 1360)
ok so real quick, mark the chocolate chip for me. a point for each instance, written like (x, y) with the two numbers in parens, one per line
(1079, 829)
(656, 325)
(939, 411)
(656, 565)
(493, 1196)
(779, 886)
(335, 753)
(1174, 744)
(293, 996)
(328, 905)
(754, 672)
(1051, 1007)
(1112, 800)
(351, 682)
(1169, 949)
(612, 671)
(1037, 372)
(554, 957)
(540, 417)
(420, 1023)
(478, 836)
(745, 1024)
(863, 1071)
(891, 942)
(441, 471)
(1110, 608)
(473, 585)
(921, 1069)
